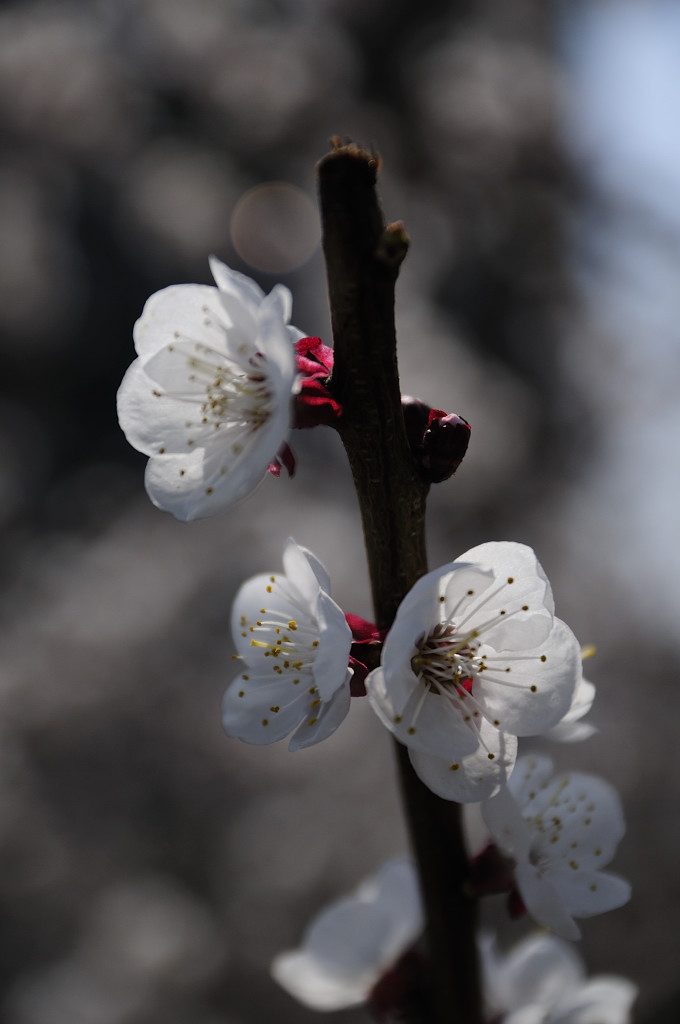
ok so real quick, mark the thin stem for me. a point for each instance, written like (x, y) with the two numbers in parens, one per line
(363, 257)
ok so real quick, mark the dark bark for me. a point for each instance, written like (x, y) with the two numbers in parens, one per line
(363, 257)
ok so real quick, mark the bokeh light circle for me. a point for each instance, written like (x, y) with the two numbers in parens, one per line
(275, 227)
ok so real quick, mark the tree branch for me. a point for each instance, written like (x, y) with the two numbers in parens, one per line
(363, 257)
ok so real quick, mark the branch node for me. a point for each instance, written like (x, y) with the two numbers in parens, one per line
(393, 245)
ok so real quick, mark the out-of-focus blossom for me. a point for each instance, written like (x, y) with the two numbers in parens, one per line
(295, 643)
(353, 943)
(209, 398)
(542, 980)
(558, 832)
(475, 658)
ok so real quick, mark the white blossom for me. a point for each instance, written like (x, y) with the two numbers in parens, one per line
(559, 831)
(474, 659)
(209, 398)
(348, 947)
(295, 645)
(542, 980)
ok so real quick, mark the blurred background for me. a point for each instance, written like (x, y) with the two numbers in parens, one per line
(149, 866)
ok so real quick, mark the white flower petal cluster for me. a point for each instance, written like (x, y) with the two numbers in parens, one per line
(352, 942)
(474, 659)
(209, 398)
(295, 644)
(559, 831)
(542, 980)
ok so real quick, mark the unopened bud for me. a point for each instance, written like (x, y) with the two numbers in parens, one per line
(437, 439)
(444, 444)
(416, 418)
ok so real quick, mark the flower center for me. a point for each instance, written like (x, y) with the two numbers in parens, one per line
(233, 392)
(291, 642)
(446, 661)
(273, 636)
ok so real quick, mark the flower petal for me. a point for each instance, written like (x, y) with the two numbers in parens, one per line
(348, 945)
(235, 286)
(603, 1000)
(532, 774)
(586, 893)
(475, 776)
(539, 970)
(256, 709)
(173, 481)
(508, 558)
(426, 722)
(504, 820)
(571, 732)
(570, 729)
(148, 416)
(529, 692)
(319, 570)
(300, 974)
(530, 1014)
(273, 336)
(544, 903)
(516, 611)
(322, 720)
(174, 313)
(335, 642)
(184, 486)
(396, 892)
(584, 820)
(302, 570)
(390, 701)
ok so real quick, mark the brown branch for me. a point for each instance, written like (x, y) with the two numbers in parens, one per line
(363, 257)
(437, 836)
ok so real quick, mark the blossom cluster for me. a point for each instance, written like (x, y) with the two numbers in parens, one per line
(475, 660)
(363, 949)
